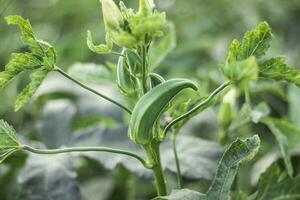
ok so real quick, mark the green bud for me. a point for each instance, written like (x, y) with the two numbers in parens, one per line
(242, 71)
(123, 39)
(146, 7)
(227, 111)
(112, 15)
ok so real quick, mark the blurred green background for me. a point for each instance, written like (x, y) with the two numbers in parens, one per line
(204, 30)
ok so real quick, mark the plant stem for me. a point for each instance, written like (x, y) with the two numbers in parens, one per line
(178, 170)
(82, 149)
(144, 75)
(157, 169)
(196, 108)
(92, 90)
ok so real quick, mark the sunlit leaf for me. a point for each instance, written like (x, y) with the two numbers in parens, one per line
(36, 80)
(8, 140)
(255, 43)
(238, 152)
(277, 69)
(160, 49)
(42, 58)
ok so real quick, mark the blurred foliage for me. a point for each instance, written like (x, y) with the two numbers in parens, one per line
(204, 30)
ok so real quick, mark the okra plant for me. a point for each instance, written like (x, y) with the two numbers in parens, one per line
(156, 108)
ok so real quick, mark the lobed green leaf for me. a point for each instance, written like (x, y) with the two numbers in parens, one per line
(8, 140)
(276, 69)
(36, 80)
(238, 152)
(255, 43)
(42, 58)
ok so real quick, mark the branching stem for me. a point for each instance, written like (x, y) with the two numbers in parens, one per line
(196, 108)
(84, 149)
(92, 90)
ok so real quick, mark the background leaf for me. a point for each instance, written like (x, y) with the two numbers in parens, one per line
(160, 49)
(238, 152)
(275, 184)
(282, 141)
(276, 69)
(49, 177)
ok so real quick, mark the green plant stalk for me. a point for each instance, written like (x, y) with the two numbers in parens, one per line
(178, 170)
(196, 108)
(153, 154)
(144, 72)
(84, 149)
(92, 90)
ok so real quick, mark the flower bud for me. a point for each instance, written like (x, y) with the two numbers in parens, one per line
(146, 7)
(112, 15)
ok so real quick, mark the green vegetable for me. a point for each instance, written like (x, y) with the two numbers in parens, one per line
(125, 79)
(150, 107)
(156, 79)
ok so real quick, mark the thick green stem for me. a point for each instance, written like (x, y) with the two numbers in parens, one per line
(92, 90)
(153, 155)
(159, 174)
(144, 72)
(82, 149)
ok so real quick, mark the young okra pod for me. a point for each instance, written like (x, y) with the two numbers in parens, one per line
(150, 107)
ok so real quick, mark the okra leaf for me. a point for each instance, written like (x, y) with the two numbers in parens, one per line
(149, 108)
(36, 80)
(282, 142)
(101, 48)
(8, 140)
(48, 177)
(38, 47)
(276, 69)
(255, 43)
(160, 48)
(42, 57)
(238, 152)
(184, 194)
(19, 62)
(276, 184)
